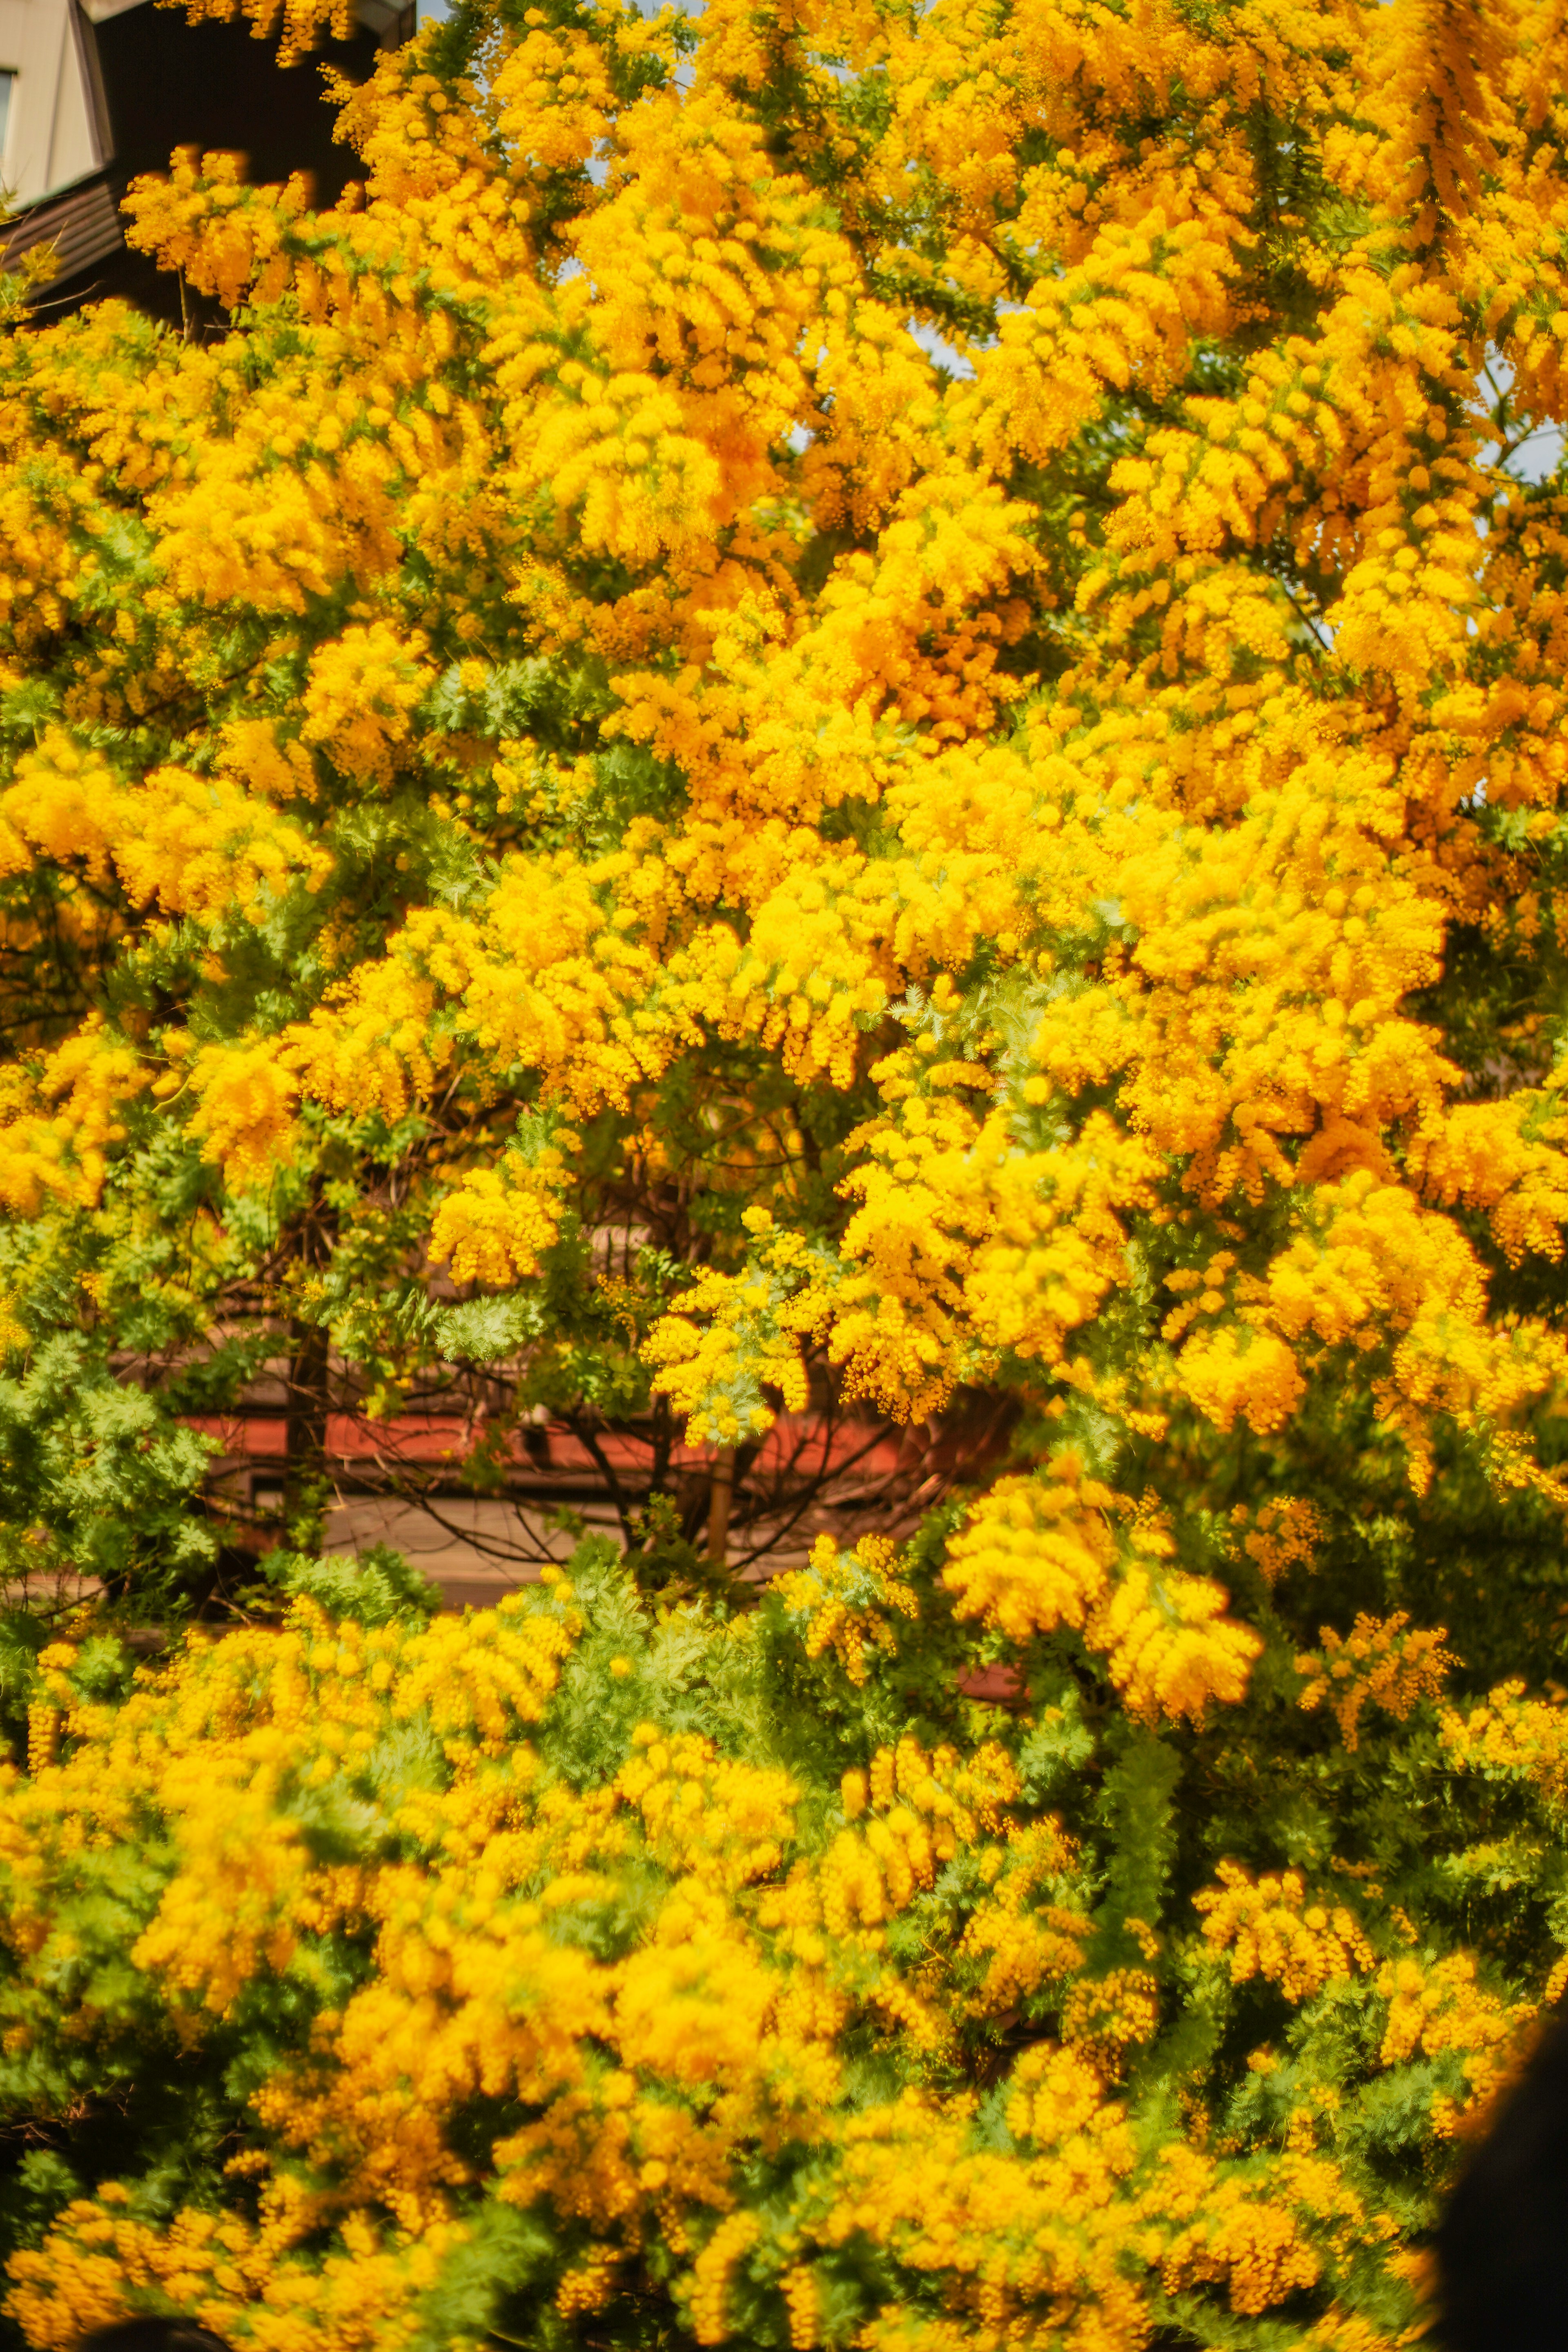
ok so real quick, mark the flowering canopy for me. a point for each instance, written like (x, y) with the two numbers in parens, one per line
(903, 654)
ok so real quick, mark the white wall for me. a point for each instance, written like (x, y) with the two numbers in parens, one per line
(51, 137)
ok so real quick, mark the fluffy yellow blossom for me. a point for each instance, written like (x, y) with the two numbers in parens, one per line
(1272, 1928)
(493, 1224)
(57, 1126)
(1443, 2008)
(357, 703)
(1282, 1535)
(1035, 1553)
(1106, 2016)
(1043, 1553)
(1377, 1664)
(245, 1097)
(1511, 1736)
(845, 1601)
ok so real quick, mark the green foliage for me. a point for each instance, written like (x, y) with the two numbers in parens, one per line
(372, 1586)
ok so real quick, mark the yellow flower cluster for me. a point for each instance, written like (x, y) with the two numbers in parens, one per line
(1510, 1736)
(1271, 1928)
(244, 1099)
(656, 1977)
(1106, 2017)
(1042, 1552)
(191, 845)
(1379, 1662)
(1269, 924)
(845, 1599)
(493, 1224)
(361, 689)
(1280, 1534)
(59, 1124)
(1442, 2007)
(101, 2265)
(741, 1334)
(650, 2072)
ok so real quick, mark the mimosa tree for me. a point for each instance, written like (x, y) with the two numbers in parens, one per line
(841, 707)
